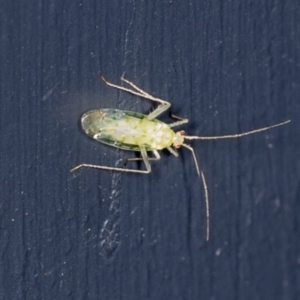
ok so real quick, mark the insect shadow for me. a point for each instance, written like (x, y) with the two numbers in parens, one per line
(134, 131)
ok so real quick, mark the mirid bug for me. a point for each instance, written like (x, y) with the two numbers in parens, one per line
(134, 131)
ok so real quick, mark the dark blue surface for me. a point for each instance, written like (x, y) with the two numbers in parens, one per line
(228, 66)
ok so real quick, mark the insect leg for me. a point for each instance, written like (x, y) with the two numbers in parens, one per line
(200, 174)
(173, 151)
(135, 87)
(159, 110)
(109, 168)
(144, 157)
(177, 123)
(155, 152)
(177, 118)
(164, 105)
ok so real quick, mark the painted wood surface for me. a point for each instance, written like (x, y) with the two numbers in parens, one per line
(227, 66)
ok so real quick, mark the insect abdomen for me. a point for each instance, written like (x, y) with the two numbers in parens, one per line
(127, 130)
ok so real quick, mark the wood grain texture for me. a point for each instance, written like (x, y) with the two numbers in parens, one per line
(228, 66)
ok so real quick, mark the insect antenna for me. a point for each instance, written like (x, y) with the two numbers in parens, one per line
(231, 136)
(201, 175)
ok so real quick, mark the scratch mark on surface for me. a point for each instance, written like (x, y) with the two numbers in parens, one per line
(133, 211)
(110, 237)
(110, 230)
(127, 39)
(48, 94)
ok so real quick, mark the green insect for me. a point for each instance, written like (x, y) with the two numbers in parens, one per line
(134, 131)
